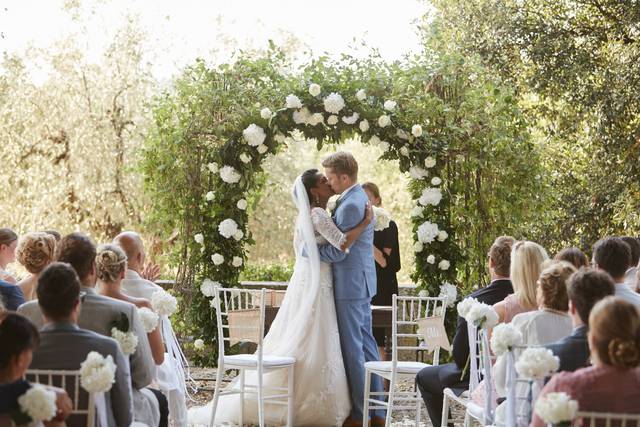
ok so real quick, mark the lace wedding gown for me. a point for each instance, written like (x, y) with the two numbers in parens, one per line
(305, 328)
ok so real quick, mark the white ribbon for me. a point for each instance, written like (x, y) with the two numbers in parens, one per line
(486, 362)
(473, 351)
(101, 408)
(510, 416)
(177, 356)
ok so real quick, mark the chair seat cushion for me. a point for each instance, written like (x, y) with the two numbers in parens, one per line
(252, 360)
(402, 367)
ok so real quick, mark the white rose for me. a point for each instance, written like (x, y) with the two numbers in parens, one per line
(374, 140)
(39, 403)
(280, 138)
(293, 101)
(444, 265)
(402, 134)
(384, 121)
(148, 318)
(384, 145)
(536, 363)
(315, 119)
(504, 337)
(449, 292)
(262, 148)
(404, 151)
(416, 131)
(198, 344)
(381, 218)
(351, 119)
(427, 232)
(302, 116)
(213, 167)
(430, 196)
(199, 238)
(361, 95)
(416, 172)
(423, 293)
(245, 158)
(265, 113)
(436, 181)
(254, 135)
(332, 120)
(482, 316)
(229, 175)
(242, 204)
(238, 235)
(442, 235)
(237, 261)
(128, 341)
(418, 247)
(217, 259)
(333, 103)
(364, 125)
(431, 259)
(417, 212)
(164, 303)
(210, 196)
(208, 287)
(556, 408)
(314, 89)
(429, 162)
(390, 105)
(465, 305)
(227, 228)
(97, 373)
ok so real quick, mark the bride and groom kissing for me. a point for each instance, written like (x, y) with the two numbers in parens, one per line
(324, 321)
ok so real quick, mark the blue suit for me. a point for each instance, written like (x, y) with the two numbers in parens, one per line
(11, 296)
(354, 284)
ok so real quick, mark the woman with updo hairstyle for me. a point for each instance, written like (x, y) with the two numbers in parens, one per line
(573, 256)
(612, 384)
(111, 264)
(35, 251)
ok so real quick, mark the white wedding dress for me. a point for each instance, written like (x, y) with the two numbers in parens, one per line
(305, 328)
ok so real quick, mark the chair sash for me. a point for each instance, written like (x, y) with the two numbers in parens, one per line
(244, 326)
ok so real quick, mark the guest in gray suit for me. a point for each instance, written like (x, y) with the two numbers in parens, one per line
(97, 313)
(585, 288)
(64, 346)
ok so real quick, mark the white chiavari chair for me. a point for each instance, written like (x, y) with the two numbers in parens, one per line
(240, 316)
(406, 311)
(605, 419)
(480, 362)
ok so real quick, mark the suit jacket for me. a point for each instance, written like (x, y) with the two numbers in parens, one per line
(75, 343)
(11, 295)
(573, 350)
(96, 314)
(354, 273)
(9, 394)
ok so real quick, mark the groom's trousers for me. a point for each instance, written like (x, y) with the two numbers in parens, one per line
(358, 347)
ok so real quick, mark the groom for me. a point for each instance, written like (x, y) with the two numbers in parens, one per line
(354, 278)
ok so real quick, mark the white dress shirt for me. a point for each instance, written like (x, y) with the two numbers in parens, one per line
(624, 291)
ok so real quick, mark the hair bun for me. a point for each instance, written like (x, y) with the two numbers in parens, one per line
(624, 353)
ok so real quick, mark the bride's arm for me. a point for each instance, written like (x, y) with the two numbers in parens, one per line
(330, 231)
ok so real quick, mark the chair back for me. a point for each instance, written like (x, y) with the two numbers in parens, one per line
(604, 419)
(406, 315)
(83, 404)
(521, 392)
(240, 316)
(480, 362)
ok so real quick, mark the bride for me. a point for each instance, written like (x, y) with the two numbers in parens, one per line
(305, 327)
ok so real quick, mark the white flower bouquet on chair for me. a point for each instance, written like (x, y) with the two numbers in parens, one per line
(536, 364)
(37, 404)
(557, 409)
(97, 375)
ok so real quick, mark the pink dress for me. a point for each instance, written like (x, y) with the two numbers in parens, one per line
(598, 389)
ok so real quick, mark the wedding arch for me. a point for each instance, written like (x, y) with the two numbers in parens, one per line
(214, 146)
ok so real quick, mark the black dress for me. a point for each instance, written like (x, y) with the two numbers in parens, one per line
(386, 277)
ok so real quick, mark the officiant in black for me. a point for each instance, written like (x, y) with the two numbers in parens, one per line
(387, 255)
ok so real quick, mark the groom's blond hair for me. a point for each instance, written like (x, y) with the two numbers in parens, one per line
(342, 163)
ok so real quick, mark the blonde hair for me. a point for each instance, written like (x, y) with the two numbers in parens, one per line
(614, 326)
(342, 163)
(35, 251)
(111, 261)
(526, 264)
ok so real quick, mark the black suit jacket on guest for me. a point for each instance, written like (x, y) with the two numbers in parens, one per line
(573, 350)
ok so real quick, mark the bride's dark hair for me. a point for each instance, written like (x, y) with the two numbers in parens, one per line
(310, 180)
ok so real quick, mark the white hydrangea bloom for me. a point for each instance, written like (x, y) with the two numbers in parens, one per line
(444, 265)
(262, 148)
(302, 116)
(245, 158)
(504, 337)
(364, 125)
(404, 150)
(431, 259)
(423, 293)
(213, 167)
(384, 145)
(229, 175)
(217, 259)
(332, 120)
(390, 105)
(265, 113)
(416, 172)
(418, 247)
(556, 408)
(210, 196)
(334, 103)
(436, 180)
(430, 196)
(427, 232)
(482, 316)
(417, 212)
(429, 162)
(238, 235)
(254, 135)
(280, 138)
(402, 134)
(237, 261)
(128, 341)
(227, 228)
(416, 130)
(39, 403)
(382, 218)
(537, 363)
(97, 373)
(351, 119)
(465, 305)
(374, 140)
(164, 303)
(314, 89)
(293, 101)
(442, 235)
(315, 119)
(384, 121)
(199, 238)
(449, 292)
(208, 287)
(242, 204)
(361, 95)
(148, 318)
(198, 344)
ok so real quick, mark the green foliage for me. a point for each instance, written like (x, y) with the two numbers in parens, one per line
(266, 273)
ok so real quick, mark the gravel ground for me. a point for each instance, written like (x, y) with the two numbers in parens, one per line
(205, 380)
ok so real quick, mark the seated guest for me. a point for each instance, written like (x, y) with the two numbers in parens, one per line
(585, 288)
(19, 339)
(573, 256)
(613, 255)
(11, 295)
(612, 384)
(434, 379)
(8, 243)
(111, 263)
(526, 264)
(35, 251)
(630, 274)
(58, 293)
(97, 314)
(173, 373)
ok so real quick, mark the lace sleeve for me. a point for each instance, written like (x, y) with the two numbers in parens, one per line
(325, 226)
